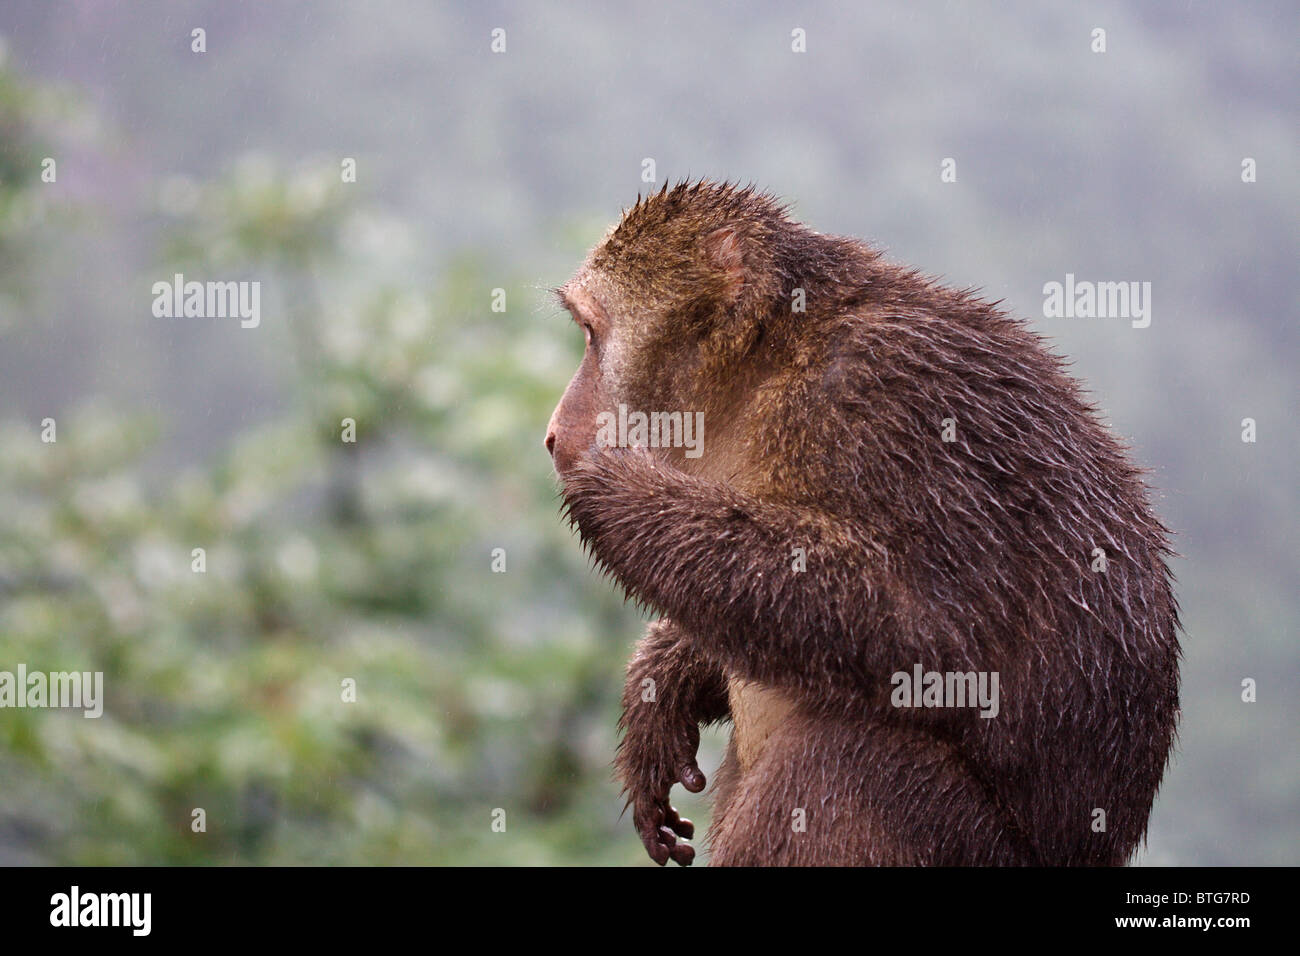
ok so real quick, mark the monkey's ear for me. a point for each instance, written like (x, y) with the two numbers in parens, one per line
(724, 250)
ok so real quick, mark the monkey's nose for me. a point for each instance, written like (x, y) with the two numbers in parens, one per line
(550, 443)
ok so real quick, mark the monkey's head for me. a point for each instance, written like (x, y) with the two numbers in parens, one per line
(673, 302)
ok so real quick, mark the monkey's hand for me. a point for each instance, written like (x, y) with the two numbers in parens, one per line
(662, 830)
(669, 691)
(718, 561)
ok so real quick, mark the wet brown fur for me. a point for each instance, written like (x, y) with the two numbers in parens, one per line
(824, 433)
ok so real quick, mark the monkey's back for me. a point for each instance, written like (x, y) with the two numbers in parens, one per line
(1021, 525)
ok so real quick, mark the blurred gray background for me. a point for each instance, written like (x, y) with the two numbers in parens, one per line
(479, 170)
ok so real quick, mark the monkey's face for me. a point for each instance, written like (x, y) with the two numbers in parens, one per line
(573, 425)
(646, 333)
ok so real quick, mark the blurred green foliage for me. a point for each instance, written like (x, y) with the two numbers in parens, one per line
(31, 114)
(325, 560)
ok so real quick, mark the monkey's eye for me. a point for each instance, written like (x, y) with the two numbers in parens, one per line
(586, 332)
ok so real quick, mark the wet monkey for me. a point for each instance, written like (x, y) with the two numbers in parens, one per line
(895, 480)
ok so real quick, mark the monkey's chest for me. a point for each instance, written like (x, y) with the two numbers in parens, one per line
(757, 712)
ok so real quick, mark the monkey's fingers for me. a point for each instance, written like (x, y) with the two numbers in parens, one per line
(683, 854)
(679, 824)
(654, 844)
(691, 778)
(658, 850)
(649, 824)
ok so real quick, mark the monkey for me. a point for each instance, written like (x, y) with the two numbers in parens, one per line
(898, 480)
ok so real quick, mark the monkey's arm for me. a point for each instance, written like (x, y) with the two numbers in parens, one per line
(670, 691)
(720, 563)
